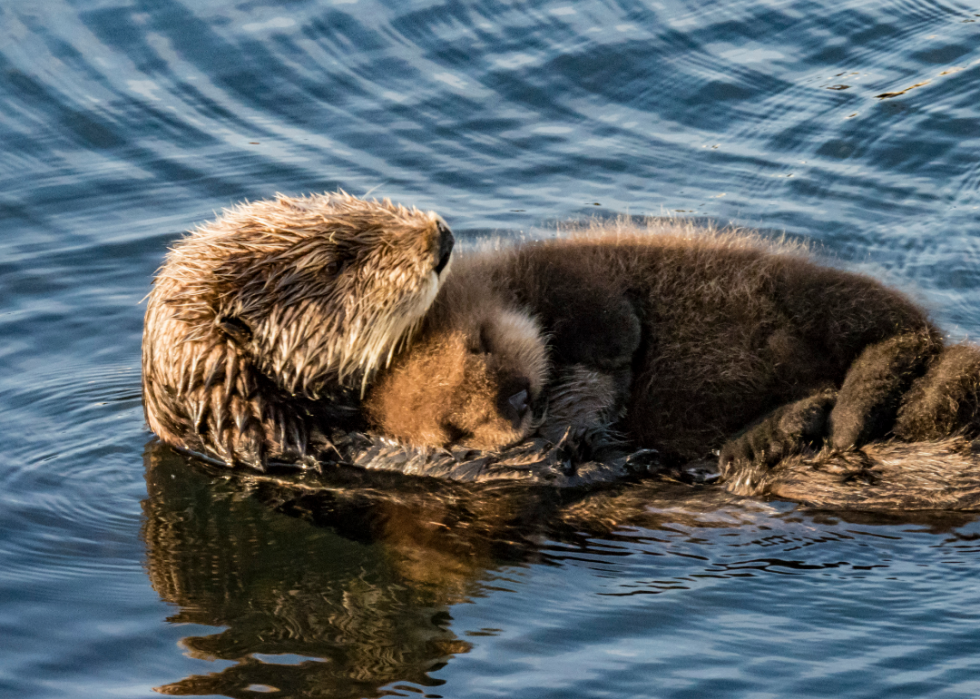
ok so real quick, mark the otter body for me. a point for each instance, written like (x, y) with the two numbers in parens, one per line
(683, 341)
(891, 475)
(698, 334)
(267, 323)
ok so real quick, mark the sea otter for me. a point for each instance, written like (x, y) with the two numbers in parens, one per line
(679, 339)
(269, 321)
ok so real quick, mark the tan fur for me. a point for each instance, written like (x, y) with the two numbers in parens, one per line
(891, 475)
(470, 355)
(277, 310)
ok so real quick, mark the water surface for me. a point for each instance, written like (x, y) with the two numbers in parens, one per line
(124, 568)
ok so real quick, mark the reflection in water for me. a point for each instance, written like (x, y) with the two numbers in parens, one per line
(283, 587)
(357, 576)
(342, 586)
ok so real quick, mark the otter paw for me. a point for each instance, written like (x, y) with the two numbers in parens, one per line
(873, 390)
(946, 401)
(787, 430)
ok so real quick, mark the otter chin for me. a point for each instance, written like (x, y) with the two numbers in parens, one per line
(270, 321)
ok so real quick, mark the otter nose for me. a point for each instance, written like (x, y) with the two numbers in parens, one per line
(517, 404)
(445, 249)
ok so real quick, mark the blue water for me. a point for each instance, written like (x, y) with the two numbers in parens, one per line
(126, 569)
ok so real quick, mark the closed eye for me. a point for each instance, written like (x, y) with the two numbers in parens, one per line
(482, 345)
(342, 259)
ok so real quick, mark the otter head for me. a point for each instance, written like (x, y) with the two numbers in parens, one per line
(314, 291)
(262, 323)
(473, 376)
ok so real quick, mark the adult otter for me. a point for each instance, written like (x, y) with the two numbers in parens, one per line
(695, 335)
(268, 322)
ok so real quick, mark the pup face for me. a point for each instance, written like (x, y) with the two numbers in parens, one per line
(311, 289)
(472, 378)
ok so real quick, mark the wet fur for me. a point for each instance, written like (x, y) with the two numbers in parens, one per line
(889, 475)
(928, 460)
(268, 321)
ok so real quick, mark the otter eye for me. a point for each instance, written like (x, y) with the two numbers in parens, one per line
(235, 328)
(342, 258)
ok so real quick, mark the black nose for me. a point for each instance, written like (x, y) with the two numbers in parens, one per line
(445, 250)
(516, 402)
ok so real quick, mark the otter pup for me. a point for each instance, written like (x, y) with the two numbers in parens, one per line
(483, 365)
(269, 321)
(471, 375)
(684, 338)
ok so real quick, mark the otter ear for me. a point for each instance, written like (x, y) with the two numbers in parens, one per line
(235, 328)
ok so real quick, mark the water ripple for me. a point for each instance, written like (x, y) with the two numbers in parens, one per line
(852, 125)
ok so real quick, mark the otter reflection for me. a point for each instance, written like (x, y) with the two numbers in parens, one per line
(356, 573)
(281, 587)
(353, 575)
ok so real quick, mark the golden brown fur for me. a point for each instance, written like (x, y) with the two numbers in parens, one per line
(271, 319)
(473, 372)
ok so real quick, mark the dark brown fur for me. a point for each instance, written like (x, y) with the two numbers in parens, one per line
(708, 331)
(269, 321)
(697, 335)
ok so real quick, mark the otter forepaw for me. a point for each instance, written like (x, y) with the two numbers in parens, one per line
(786, 431)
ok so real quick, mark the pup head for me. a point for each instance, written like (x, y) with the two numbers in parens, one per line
(473, 377)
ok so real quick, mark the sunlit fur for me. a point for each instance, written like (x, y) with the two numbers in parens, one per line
(473, 352)
(926, 475)
(277, 311)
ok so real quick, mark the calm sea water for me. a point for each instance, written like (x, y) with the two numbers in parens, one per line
(125, 569)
